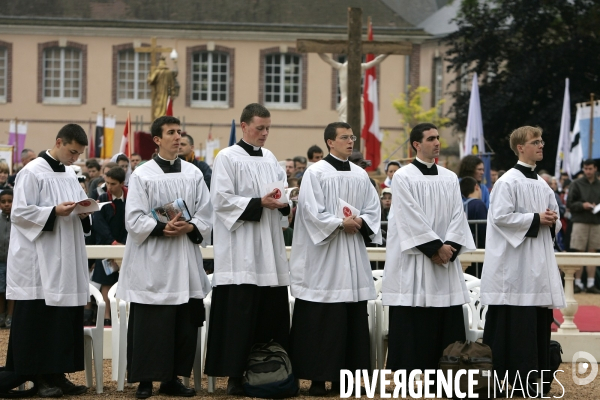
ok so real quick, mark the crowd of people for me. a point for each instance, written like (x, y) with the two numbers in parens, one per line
(333, 210)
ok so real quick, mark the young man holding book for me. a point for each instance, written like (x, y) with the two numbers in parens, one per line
(162, 274)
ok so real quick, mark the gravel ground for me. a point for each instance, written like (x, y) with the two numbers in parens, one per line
(571, 390)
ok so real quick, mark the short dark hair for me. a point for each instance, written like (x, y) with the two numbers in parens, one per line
(589, 161)
(188, 137)
(312, 150)
(156, 129)
(122, 157)
(135, 154)
(331, 131)
(254, 110)
(6, 192)
(92, 163)
(299, 159)
(468, 165)
(117, 174)
(416, 134)
(392, 163)
(467, 185)
(71, 132)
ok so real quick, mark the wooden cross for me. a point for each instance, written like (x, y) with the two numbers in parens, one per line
(354, 47)
(153, 50)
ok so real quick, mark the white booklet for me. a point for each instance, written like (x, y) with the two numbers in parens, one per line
(596, 209)
(280, 193)
(345, 210)
(88, 206)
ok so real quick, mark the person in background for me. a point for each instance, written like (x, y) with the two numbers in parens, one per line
(135, 160)
(108, 226)
(314, 153)
(186, 152)
(122, 162)
(4, 171)
(6, 308)
(386, 203)
(290, 171)
(473, 166)
(390, 170)
(27, 155)
(93, 168)
(300, 166)
(474, 210)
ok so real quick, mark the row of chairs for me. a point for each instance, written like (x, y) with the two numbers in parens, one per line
(474, 317)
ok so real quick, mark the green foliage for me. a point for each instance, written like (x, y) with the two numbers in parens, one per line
(523, 50)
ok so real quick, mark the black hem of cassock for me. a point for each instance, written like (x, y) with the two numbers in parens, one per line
(161, 341)
(328, 337)
(241, 316)
(419, 335)
(519, 337)
(45, 339)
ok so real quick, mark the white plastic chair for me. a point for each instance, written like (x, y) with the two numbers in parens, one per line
(372, 311)
(119, 312)
(94, 344)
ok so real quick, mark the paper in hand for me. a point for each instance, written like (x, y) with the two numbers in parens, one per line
(345, 210)
(280, 194)
(596, 209)
(87, 206)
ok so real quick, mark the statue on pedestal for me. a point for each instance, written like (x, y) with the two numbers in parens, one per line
(164, 84)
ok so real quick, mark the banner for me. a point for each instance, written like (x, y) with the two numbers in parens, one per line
(584, 130)
(109, 135)
(17, 132)
(212, 148)
(563, 150)
(474, 141)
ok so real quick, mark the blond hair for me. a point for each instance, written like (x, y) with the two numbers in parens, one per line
(4, 167)
(520, 136)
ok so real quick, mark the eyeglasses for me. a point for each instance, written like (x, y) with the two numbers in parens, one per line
(537, 143)
(346, 137)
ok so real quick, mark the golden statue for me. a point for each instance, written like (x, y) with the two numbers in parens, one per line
(164, 83)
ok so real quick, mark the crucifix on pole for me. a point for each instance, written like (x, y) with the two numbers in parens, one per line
(153, 49)
(354, 47)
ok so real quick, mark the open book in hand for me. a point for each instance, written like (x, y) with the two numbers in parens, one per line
(88, 206)
(345, 210)
(280, 192)
(170, 210)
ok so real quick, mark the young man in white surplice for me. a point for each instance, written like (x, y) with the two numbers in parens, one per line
(423, 281)
(162, 274)
(250, 296)
(521, 282)
(330, 271)
(47, 268)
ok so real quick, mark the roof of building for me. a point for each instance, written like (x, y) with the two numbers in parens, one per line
(322, 16)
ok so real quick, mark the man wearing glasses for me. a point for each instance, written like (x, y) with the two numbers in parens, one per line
(521, 282)
(338, 213)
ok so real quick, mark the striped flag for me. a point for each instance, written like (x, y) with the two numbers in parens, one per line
(576, 156)
(371, 133)
(169, 107)
(126, 142)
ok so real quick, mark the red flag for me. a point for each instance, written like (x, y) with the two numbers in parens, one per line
(370, 131)
(169, 107)
(125, 147)
(91, 152)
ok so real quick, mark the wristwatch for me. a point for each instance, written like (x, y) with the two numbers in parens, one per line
(341, 227)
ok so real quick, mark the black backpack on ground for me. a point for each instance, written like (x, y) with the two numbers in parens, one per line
(269, 373)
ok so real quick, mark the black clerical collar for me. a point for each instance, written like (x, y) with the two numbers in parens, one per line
(250, 149)
(168, 166)
(337, 163)
(423, 168)
(56, 165)
(526, 171)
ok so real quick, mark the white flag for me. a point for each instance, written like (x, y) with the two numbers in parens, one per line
(576, 156)
(474, 142)
(564, 139)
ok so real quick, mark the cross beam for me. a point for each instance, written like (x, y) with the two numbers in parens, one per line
(354, 47)
(153, 50)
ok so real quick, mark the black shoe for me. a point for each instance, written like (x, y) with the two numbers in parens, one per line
(577, 289)
(593, 290)
(107, 322)
(317, 389)
(176, 388)
(235, 387)
(144, 390)
(68, 387)
(47, 388)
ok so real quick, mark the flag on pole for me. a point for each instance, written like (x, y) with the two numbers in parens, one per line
(169, 107)
(576, 154)
(99, 142)
(232, 133)
(109, 134)
(126, 144)
(17, 132)
(474, 142)
(370, 131)
(564, 140)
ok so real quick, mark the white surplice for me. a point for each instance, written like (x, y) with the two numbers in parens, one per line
(50, 265)
(519, 270)
(425, 208)
(328, 265)
(158, 269)
(246, 252)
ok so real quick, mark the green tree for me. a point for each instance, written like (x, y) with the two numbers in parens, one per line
(523, 50)
(412, 112)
